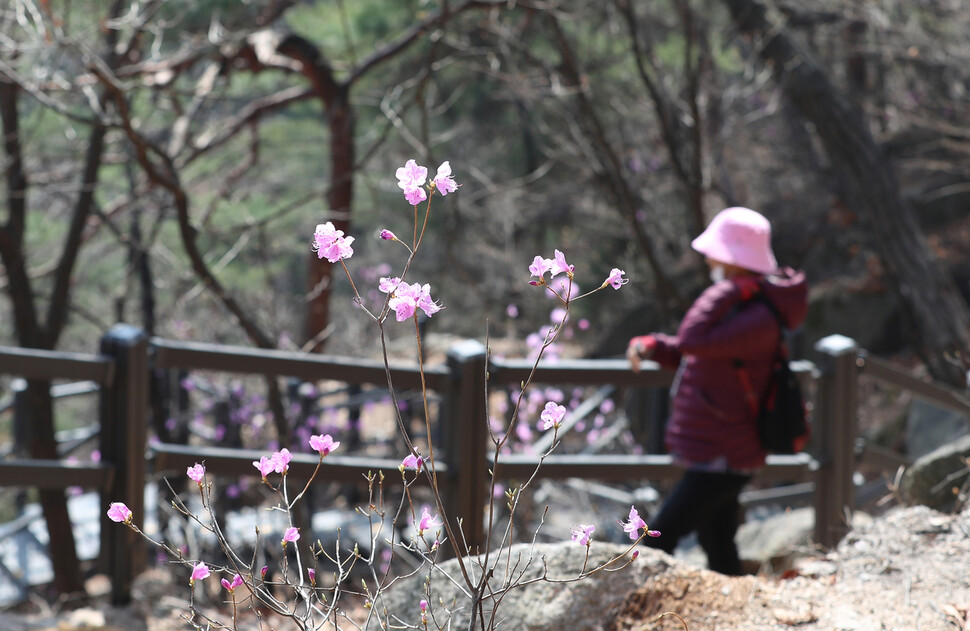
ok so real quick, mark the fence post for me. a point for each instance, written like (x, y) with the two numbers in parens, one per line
(124, 427)
(836, 427)
(464, 440)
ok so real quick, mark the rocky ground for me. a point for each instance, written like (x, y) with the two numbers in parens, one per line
(905, 570)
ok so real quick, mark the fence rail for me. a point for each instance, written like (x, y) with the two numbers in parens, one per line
(128, 357)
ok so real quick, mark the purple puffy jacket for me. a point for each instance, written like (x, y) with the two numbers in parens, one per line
(710, 418)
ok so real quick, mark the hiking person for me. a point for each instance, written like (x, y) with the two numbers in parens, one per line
(711, 431)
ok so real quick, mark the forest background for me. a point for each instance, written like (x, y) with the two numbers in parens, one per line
(165, 163)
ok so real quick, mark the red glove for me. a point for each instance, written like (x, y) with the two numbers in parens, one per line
(747, 286)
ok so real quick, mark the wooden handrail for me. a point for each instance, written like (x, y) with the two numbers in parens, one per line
(632, 468)
(939, 394)
(55, 474)
(257, 361)
(32, 363)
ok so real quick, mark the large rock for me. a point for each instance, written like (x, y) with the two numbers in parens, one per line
(934, 477)
(554, 601)
(929, 426)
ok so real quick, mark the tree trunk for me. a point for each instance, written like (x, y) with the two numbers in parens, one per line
(339, 199)
(42, 444)
(939, 313)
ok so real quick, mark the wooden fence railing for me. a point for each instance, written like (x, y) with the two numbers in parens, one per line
(127, 356)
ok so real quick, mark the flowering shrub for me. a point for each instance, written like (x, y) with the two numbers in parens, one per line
(294, 593)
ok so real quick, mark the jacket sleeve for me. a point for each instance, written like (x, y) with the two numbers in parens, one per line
(714, 326)
(666, 353)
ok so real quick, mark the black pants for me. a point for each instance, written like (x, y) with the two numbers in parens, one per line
(708, 503)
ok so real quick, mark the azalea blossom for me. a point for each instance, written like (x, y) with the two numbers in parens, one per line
(388, 285)
(633, 525)
(119, 512)
(330, 243)
(265, 466)
(237, 580)
(539, 267)
(323, 444)
(291, 535)
(551, 416)
(406, 298)
(559, 265)
(583, 534)
(411, 178)
(387, 235)
(427, 521)
(196, 473)
(616, 279)
(443, 181)
(312, 573)
(281, 460)
(412, 461)
(199, 572)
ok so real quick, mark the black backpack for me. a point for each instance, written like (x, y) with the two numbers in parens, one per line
(782, 416)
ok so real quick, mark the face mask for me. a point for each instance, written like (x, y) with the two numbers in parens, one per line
(717, 273)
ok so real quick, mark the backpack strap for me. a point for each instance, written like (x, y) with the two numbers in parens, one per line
(749, 393)
(781, 354)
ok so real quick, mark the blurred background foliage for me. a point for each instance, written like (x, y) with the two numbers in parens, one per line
(552, 115)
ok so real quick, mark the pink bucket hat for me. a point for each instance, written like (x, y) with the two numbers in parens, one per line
(739, 236)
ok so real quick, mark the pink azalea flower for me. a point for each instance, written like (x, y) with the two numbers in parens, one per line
(415, 195)
(119, 512)
(616, 279)
(387, 235)
(281, 460)
(199, 572)
(551, 416)
(388, 285)
(423, 604)
(196, 473)
(427, 521)
(559, 265)
(412, 462)
(291, 535)
(407, 299)
(323, 444)
(443, 181)
(583, 534)
(540, 266)
(330, 243)
(237, 580)
(653, 533)
(633, 525)
(263, 570)
(265, 466)
(411, 178)
(312, 573)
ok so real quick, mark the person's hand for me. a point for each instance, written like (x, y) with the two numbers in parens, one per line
(747, 286)
(640, 347)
